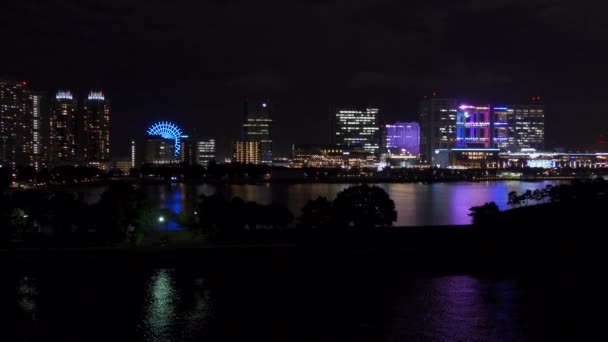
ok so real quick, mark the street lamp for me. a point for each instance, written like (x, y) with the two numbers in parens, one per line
(164, 239)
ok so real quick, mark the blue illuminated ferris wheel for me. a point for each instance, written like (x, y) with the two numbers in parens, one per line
(167, 130)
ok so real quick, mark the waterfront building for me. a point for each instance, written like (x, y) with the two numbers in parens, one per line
(96, 128)
(39, 128)
(163, 143)
(357, 127)
(517, 127)
(329, 156)
(402, 138)
(473, 126)
(123, 166)
(247, 152)
(62, 128)
(133, 154)
(15, 123)
(205, 152)
(437, 119)
(257, 127)
(552, 160)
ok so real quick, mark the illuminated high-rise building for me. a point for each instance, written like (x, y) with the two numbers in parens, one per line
(403, 138)
(39, 128)
(357, 127)
(247, 152)
(96, 128)
(437, 126)
(15, 123)
(519, 126)
(159, 150)
(133, 154)
(528, 125)
(503, 127)
(257, 127)
(205, 152)
(473, 126)
(62, 128)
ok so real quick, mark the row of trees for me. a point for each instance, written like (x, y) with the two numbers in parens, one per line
(576, 190)
(120, 206)
(591, 194)
(357, 207)
(124, 210)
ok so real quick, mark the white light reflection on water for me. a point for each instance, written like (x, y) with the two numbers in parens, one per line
(160, 321)
(172, 312)
(27, 292)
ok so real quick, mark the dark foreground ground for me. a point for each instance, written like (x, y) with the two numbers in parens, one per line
(427, 283)
(533, 274)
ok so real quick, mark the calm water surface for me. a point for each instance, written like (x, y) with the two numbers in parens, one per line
(182, 304)
(417, 204)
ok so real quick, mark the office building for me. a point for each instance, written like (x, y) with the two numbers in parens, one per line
(403, 138)
(517, 127)
(528, 126)
(503, 127)
(96, 128)
(205, 152)
(123, 166)
(159, 150)
(357, 127)
(62, 129)
(257, 127)
(39, 128)
(15, 123)
(473, 126)
(247, 152)
(187, 152)
(323, 156)
(133, 154)
(163, 143)
(437, 126)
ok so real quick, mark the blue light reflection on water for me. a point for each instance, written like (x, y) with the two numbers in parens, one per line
(417, 204)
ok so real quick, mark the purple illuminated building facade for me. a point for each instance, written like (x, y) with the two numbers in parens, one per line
(473, 126)
(403, 138)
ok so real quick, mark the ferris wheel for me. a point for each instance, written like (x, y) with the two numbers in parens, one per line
(167, 130)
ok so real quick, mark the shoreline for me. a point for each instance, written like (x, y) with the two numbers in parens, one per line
(346, 180)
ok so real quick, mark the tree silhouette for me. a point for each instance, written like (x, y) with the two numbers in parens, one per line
(316, 213)
(485, 214)
(513, 198)
(364, 206)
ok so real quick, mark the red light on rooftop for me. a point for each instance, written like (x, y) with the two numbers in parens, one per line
(434, 94)
(24, 83)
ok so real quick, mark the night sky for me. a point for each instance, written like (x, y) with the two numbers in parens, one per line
(193, 61)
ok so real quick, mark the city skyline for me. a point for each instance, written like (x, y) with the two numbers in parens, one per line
(159, 62)
(258, 124)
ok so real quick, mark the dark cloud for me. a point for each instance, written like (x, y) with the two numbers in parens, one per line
(193, 61)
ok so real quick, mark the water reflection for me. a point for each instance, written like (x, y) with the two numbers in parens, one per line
(27, 293)
(417, 204)
(160, 318)
(173, 312)
(198, 312)
(456, 308)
